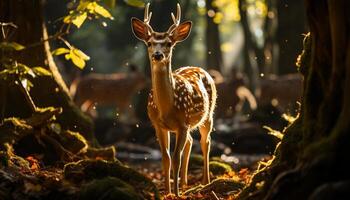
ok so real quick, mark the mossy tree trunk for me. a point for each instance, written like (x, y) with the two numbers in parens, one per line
(47, 91)
(310, 161)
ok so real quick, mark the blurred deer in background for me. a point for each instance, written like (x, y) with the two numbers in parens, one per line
(116, 89)
(232, 93)
(282, 92)
(179, 101)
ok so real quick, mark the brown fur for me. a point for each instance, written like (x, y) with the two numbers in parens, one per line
(179, 102)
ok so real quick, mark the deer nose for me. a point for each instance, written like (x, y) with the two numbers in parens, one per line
(158, 56)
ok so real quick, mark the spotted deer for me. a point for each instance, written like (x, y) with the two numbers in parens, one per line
(179, 101)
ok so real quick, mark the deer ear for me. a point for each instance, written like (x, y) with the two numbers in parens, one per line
(180, 33)
(139, 29)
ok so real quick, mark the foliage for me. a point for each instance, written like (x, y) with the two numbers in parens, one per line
(77, 56)
(85, 9)
(81, 10)
(11, 46)
(20, 74)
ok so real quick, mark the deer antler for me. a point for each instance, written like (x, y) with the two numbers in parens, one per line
(175, 19)
(147, 18)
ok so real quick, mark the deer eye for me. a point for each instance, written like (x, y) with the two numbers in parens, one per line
(149, 44)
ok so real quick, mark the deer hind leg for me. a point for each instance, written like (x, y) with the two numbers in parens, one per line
(205, 130)
(185, 160)
(163, 139)
(181, 138)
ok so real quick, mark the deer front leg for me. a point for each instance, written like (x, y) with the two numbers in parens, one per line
(185, 160)
(163, 139)
(205, 130)
(181, 137)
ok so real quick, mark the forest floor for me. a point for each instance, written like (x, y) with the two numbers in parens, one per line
(221, 172)
(41, 161)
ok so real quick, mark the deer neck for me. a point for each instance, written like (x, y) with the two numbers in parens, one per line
(163, 86)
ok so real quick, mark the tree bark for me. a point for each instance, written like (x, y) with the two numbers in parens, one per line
(47, 91)
(270, 44)
(213, 54)
(309, 161)
(291, 13)
(251, 64)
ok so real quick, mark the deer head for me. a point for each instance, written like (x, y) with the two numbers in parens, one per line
(160, 44)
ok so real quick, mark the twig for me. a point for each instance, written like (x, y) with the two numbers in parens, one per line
(5, 24)
(215, 196)
(57, 35)
(27, 96)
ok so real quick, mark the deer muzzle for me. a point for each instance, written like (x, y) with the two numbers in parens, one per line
(158, 56)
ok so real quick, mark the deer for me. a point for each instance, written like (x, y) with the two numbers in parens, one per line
(179, 101)
(233, 93)
(115, 89)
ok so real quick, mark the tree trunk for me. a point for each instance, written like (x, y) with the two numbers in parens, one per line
(270, 44)
(291, 26)
(47, 91)
(251, 65)
(213, 54)
(310, 161)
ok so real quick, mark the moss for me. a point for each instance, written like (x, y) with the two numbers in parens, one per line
(219, 168)
(98, 169)
(11, 130)
(108, 188)
(43, 116)
(72, 141)
(107, 153)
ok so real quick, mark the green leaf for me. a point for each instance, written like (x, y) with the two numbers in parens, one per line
(135, 3)
(60, 51)
(11, 46)
(81, 54)
(102, 11)
(78, 58)
(40, 71)
(67, 56)
(24, 70)
(79, 19)
(31, 73)
(67, 19)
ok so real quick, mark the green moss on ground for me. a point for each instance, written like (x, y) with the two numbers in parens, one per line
(108, 188)
(86, 170)
(219, 168)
